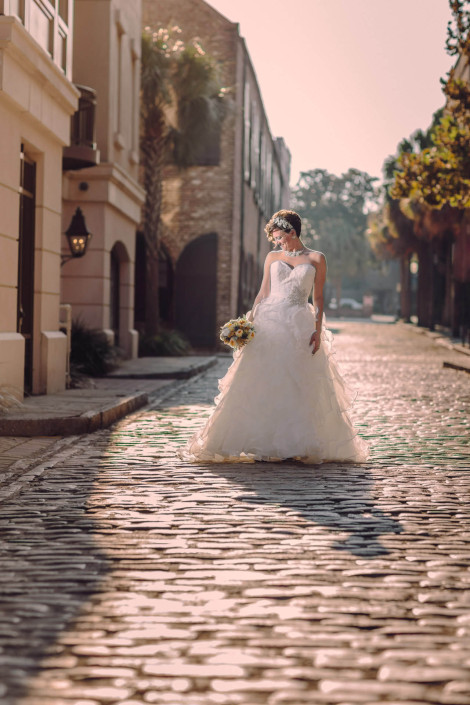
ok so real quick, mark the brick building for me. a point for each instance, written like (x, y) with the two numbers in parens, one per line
(214, 212)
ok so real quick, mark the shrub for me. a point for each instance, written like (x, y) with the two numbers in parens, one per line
(167, 342)
(91, 352)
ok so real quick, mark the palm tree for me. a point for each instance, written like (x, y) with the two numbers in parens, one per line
(182, 99)
(406, 227)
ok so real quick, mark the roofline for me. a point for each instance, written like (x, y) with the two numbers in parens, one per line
(219, 14)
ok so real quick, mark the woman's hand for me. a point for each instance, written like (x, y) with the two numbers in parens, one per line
(315, 341)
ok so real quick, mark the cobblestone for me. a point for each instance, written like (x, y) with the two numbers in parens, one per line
(130, 577)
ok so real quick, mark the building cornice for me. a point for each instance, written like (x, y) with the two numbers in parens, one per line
(106, 183)
(17, 43)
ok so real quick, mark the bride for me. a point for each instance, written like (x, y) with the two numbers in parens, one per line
(283, 396)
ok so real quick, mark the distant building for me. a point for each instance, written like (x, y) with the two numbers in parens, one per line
(214, 212)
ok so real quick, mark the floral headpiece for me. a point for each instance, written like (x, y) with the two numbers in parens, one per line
(282, 224)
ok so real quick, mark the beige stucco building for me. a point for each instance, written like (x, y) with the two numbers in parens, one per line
(100, 286)
(37, 99)
(45, 49)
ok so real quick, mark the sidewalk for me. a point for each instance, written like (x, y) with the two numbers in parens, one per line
(444, 340)
(77, 411)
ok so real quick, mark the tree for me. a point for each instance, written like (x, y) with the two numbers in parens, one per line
(439, 174)
(334, 212)
(431, 184)
(402, 228)
(182, 100)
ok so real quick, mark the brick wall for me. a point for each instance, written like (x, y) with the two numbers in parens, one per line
(205, 199)
(200, 199)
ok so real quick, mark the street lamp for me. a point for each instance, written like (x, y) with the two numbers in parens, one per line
(78, 237)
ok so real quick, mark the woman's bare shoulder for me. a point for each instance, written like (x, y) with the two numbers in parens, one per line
(271, 256)
(318, 259)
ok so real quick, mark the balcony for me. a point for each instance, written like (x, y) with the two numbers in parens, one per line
(82, 151)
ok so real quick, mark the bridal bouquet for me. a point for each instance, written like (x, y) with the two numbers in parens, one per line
(237, 332)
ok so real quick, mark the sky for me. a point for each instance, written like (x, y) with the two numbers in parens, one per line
(344, 81)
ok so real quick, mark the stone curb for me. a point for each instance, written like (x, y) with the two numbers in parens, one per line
(454, 366)
(186, 373)
(32, 468)
(440, 339)
(94, 420)
(87, 422)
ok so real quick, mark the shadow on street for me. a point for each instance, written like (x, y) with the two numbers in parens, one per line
(50, 567)
(336, 497)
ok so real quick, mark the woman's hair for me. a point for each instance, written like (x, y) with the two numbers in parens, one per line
(284, 220)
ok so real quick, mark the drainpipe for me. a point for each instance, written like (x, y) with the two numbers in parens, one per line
(242, 191)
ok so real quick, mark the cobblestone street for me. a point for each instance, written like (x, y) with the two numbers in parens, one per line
(131, 577)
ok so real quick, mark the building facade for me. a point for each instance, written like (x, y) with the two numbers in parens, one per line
(37, 99)
(213, 245)
(101, 175)
(67, 71)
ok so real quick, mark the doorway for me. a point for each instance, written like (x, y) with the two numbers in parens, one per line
(115, 294)
(196, 291)
(26, 246)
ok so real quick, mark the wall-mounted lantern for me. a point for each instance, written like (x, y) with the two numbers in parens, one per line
(78, 237)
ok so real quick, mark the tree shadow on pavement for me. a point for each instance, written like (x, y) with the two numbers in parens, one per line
(50, 567)
(337, 497)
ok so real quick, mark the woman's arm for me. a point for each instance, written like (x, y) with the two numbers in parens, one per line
(320, 278)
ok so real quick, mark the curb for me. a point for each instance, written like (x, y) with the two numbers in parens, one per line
(455, 366)
(31, 469)
(94, 420)
(186, 373)
(437, 338)
(87, 422)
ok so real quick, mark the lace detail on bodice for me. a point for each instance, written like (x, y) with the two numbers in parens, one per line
(291, 284)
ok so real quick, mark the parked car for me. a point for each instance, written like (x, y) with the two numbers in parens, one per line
(345, 304)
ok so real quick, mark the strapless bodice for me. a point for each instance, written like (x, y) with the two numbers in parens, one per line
(291, 284)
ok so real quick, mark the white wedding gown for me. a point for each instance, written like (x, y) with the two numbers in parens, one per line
(277, 400)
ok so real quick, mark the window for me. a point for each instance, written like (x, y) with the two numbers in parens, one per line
(47, 21)
(207, 151)
(255, 145)
(247, 138)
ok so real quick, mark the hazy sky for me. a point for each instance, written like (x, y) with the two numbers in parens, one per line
(343, 81)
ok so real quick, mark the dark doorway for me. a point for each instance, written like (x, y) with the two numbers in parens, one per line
(166, 286)
(196, 291)
(26, 245)
(115, 301)
(140, 274)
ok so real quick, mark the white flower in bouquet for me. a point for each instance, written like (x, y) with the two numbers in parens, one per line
(237, 332)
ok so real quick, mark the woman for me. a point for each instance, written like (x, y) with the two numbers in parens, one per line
(283, 396)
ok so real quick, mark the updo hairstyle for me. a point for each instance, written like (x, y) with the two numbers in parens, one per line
(281, 221)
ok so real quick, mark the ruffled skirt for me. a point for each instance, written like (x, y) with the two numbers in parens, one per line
(278, 401)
